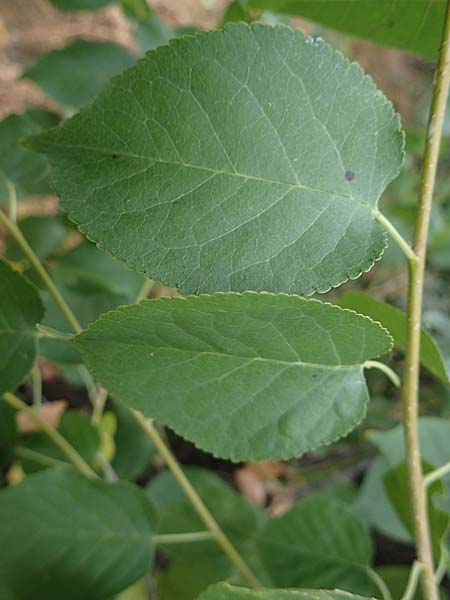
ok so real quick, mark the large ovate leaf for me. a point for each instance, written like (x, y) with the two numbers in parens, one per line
(74, 538)
(20, 310)
(318, 543)
(224, 591)
(249, 376)
(26, 171)
(248, 158)
(414, 26)
(395, 322)
(74, 75)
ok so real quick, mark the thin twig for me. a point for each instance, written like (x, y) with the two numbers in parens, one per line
(196, 501)
(67, 449)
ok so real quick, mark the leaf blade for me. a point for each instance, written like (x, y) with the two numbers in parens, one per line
(250, 365)
(253, 206)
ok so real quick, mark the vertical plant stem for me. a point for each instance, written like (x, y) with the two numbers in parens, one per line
(12, 201)
(15, 232)
(73, 455)
(67, 449)
(415, 295)
(197, 502)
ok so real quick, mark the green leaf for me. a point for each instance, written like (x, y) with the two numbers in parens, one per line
(8, 432)
(248, 158)
(76, 428)
(134, 450)
(397, 488)
(20, 309)
(44, 234)
(74, 538)
(413, 26)
(28, 172)
(239, 519)
(318, 543)
(196, 565)
(237, 11)
(396, 578)
(434, 434)
(224, 591)
(395, 322)
(81, 4)
(246, 377)
(92, 283)
(373, 505)
(74, 75)
(185, 579)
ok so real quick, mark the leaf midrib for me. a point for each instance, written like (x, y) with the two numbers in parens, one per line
(289, 363)
(156, 160)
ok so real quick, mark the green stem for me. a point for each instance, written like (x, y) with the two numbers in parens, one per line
(196, 501)
(443, 563)
(71, 453)
(66, 448)
(436, 474)
(12, 201)
(183, 538)
(379, 582)
(392, 375)
(36, 380)
(99, 405)
(37, 457)
(415, 294)
(395, 234)
(413, 580)
(15, 232)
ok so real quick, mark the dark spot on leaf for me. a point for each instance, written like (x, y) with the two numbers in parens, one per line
(114, 156)
(349, 175)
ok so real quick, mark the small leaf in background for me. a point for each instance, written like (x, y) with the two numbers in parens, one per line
(396, 578)
(395, 322)
(149, 31)
(74, 538)
(224, 591)
(192, 166)
(397, 488)
(8, 433)
(134, 451)
(318, 543)
(372, 503)
(76, 428)
(205, 561)
(28, 172)
(138, 591)
(81, 4)
(373, 506)
(20, 310)
(44, 234)
(237, 12)
(92, 283)
(74, 75)
(382, 21)
(272, 376)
